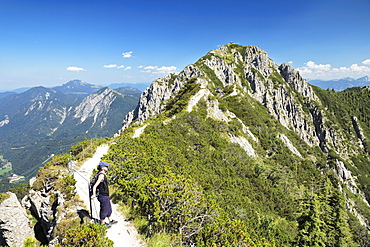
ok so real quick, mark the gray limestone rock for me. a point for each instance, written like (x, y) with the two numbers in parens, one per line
(14, 223)
(94, 105)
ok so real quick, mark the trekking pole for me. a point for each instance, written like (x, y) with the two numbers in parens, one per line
(91, 214)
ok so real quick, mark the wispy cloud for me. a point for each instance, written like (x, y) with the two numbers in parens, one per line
(75, 69)
(127, 54)
(110, 66)
(326, 71)
(159, 70)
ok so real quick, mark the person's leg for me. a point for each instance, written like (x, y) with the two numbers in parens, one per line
(111, 221)
(105, 208)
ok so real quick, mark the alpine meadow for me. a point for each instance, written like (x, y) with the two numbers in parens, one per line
(234, 150)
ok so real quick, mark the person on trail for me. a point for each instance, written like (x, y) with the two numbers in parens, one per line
(103, 195)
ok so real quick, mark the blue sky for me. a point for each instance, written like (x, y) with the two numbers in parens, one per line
(49, 42)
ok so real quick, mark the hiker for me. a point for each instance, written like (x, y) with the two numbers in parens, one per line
(103, 195)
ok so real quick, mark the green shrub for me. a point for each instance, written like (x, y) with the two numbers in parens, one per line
(66, 185)
(90, 235)
(30, 242)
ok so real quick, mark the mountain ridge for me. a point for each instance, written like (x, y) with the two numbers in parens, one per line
(297, 110)
(77, 86)
(236, 150)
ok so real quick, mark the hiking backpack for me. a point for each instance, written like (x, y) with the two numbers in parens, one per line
(92, 183)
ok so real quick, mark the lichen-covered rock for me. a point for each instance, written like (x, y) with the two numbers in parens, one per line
(14, 224)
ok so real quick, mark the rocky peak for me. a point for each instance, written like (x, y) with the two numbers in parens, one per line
(364, 79)
(248, 70)
(245, 67)
(75, 83)
(152, 100)
(95, 104)
(77, 87)
(295, 80)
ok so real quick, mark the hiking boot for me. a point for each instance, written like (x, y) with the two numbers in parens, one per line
(113, 222)
(106, 225)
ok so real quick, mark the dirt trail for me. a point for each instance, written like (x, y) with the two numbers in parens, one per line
(123, 234)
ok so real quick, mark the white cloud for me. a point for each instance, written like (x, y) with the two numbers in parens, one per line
(355, 67)
(116, 66)
(141, 66)
(305, 70)
(110, 66)
(151, 67)
(326, 71)
(166, 70)
(366, 62)
(321, 67)
(75, 69)
(159, 70)
(127, 54)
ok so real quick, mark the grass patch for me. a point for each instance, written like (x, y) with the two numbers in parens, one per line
(4, 196)
(3, 171)
(161, 240)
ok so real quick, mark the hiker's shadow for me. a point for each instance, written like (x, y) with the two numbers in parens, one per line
(85, 217)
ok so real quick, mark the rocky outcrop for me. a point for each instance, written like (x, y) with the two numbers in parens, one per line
(51, 201)
(294, 79)
(244, 143)
(14, 224)
(44, 206)
(345, 176)
(359, 132)
(5, 121)
(152, 100)
(289, 145)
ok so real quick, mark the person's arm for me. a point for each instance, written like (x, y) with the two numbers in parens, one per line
(100, 179)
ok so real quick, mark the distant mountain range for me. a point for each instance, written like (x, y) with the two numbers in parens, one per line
(80, 87)
(341, 84)
(42, 121)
